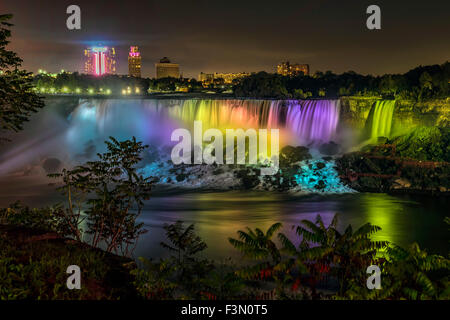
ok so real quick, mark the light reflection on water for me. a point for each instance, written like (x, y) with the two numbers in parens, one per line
(218, 216)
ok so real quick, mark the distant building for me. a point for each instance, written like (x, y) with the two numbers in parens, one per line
(228, 78)
(134, 62)
(100, 60)
(287, 69)
(206, 77)
(166, 69)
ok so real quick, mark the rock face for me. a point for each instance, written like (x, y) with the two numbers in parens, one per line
(298, 173)
(408, 114)
(416, 163)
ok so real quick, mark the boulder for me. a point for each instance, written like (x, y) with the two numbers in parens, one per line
(290, 155)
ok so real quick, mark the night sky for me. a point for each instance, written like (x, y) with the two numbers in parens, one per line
(234, 36)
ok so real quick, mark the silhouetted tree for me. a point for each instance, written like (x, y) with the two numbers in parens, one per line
(17, 99)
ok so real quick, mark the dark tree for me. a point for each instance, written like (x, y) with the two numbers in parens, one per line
(17, 99)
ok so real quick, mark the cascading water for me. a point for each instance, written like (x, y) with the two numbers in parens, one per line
(314, 121)
(81, 135)
(300, 122)
(379, 122)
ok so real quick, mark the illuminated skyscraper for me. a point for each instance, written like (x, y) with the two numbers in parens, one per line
(166, 69)
(134, 62)
(100, 60)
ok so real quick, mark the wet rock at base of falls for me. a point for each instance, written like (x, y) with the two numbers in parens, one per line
(290, 155)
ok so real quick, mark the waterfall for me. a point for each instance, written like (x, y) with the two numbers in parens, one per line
(313, 121)
(301, 122)
(379, 122)
(307, 121)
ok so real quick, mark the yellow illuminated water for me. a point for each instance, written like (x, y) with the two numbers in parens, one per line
(218, 216)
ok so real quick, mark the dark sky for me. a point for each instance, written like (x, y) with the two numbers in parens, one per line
(233, 36)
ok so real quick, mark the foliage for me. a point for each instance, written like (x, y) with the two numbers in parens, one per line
(114, 195)
(185, 244)
(17, 99)
(416, 163)
(153, 280)
(49, 219)
(182, 274)
(421, 83)
(261, 85)
(324, 250)
(424, 143)
(414, 274)
(259, 246)
(410, 274)
(36, 269)
(222, 283)
(66, 82)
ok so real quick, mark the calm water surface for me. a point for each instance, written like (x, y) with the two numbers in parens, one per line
(217, 216)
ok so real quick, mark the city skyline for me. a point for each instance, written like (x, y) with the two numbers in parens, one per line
(235, 37)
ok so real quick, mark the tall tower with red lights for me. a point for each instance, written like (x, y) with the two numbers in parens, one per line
(134, 62)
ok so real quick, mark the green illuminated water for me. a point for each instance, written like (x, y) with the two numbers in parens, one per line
(217, 216)
(380, 118)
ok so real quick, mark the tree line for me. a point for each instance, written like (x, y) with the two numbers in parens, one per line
(421, 83)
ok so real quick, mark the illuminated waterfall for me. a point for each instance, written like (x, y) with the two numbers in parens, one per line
(301, 122)
(309, 121)
(313, 121)
(379, 122)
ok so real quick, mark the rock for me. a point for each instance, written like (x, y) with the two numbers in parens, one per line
(329, 149)
(320, 185)
(401, 183)
(320, 165)
(181, 177)
(290, 155)
(248, 178)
